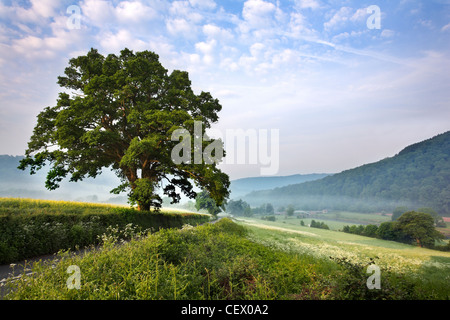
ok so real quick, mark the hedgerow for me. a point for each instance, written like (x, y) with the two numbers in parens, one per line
(33, 228)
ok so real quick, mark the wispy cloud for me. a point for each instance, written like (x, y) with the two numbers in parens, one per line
(309, 67)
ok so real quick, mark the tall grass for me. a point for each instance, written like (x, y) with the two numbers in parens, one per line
(428, 270)
(29, 228)
(207, 262)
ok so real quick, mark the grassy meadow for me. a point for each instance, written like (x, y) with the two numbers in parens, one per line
(430, 267)
(249, 259)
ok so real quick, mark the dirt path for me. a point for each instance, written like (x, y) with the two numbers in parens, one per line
(17, 269)
(264, 226)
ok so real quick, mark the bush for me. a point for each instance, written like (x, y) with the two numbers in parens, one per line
(213, 262)
(320, 225)
(26, 233)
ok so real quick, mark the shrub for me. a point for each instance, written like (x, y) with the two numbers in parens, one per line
(25, 233)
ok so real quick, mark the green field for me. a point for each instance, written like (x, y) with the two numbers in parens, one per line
(432, 266)
(242, 259)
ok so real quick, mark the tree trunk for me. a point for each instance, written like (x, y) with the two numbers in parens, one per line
(143, 206)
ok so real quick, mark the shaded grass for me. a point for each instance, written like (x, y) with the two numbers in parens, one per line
(215, 261)
(30, 228)
(207, 262)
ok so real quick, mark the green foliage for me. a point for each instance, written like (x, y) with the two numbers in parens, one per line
(438, 220)
(33, 228)
(265, 208)
(239, 208)
(370, 230)
(393, 286)
(420, 227)
(120, 111)
(320, 225)
(410, 227)
(213, 261)
(204, 201)
(290, 211)
(398, 212)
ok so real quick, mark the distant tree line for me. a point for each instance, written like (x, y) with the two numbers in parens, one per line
(410, 227)
(319, 225)
(242, 208)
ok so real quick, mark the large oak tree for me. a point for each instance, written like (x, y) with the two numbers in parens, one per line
(119, 112)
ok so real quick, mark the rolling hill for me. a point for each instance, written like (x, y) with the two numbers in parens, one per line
(243, 186)
(18, 183)
(418, 176)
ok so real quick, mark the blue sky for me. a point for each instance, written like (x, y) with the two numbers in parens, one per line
(340, 93)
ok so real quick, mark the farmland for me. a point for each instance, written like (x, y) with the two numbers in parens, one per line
(247, 259)
(430, 266)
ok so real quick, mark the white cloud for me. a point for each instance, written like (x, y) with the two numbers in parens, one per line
(98, 12)
(45, 8)
(183, 9)
(214, 32)
(134, 11)
(203, 4)
(360, 15)
(341, 16)
(104, 14)
(298, 25)
(446, 27)
(229, 64)
(271, 67)
(387, 33)
(207, 48)
(258, 14)
(180, 27)
(114, 42)
(305, 4)
(426, 23)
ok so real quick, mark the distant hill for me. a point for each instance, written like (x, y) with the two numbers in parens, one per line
(418, 176)
(241, 187)
(18, 183)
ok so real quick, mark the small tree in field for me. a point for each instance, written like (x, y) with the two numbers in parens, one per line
(290, 211)
(120, 112)
(204, 201)
(420, 227)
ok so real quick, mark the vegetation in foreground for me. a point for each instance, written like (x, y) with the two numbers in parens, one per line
(30, 228)
(430, 269)
(213, 261)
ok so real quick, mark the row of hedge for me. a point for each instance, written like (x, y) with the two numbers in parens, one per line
(25, 236)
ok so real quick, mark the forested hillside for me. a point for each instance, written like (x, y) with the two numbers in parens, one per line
(418, 176)
(241, 187)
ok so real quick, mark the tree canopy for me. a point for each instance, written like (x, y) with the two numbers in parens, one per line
(204, 201)
(120, 112)
(420, 227)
